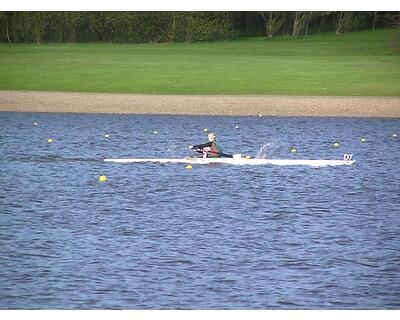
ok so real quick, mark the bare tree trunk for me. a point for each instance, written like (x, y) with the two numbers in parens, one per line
(270, 31)
(273, 21)
(38, 36)
(267, 23)
(295, 24)
(374, 23)
(173, 27)
(299, 22)
(8, 35)
(308, 22)
(340, 22)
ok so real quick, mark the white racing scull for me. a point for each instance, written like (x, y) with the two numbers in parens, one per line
(240, 161)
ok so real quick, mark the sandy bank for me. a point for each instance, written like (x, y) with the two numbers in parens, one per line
(25, 101)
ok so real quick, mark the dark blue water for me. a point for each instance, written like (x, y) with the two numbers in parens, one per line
(214, 237)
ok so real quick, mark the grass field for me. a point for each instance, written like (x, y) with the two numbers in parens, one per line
(352, 64)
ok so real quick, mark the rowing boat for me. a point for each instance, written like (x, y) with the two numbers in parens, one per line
(239, 161)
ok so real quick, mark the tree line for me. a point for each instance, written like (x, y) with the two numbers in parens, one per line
(161, 27)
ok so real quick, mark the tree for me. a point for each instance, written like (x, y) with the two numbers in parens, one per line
(5, 17)
(391, 19)
(273, 21)
(38, 22)
(145, 27)
(374, 22)
(200, 26)
(349, 21)
(300, 22)
(172, 30)
(72, 21)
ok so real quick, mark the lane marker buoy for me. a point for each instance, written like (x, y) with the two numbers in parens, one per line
(189, 167)
(237, 127)
(247, 157)
(155, 132)
(335, 145)
(205, 130)
(35, 123)
(102, 178)
(106, 136)
(50, 140)
(363, 140)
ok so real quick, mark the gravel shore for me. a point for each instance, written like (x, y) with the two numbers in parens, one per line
(34, 101)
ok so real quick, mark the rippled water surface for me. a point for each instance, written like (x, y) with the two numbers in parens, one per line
(213, 237)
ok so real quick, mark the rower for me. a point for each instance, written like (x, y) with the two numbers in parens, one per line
(211, 149)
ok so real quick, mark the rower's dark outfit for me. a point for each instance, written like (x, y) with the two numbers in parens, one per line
(215, 152)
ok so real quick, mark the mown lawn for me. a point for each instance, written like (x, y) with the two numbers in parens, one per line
(352, 64)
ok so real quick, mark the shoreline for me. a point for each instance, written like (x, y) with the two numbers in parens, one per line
(309, 106)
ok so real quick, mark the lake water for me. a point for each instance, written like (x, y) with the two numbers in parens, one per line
(213, 237)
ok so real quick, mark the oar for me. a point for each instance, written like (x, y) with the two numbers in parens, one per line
(226, 155)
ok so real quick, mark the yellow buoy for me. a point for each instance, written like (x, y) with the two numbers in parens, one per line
(293, 150)
(50, 140)
(155, 132)
(335, 145)
(363, 140)
(205, 130)
(247, 157)
(189, 166)
(106, 136)
(102, 178)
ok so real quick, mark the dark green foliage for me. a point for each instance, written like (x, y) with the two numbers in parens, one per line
(162, 27)
(120, 27)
